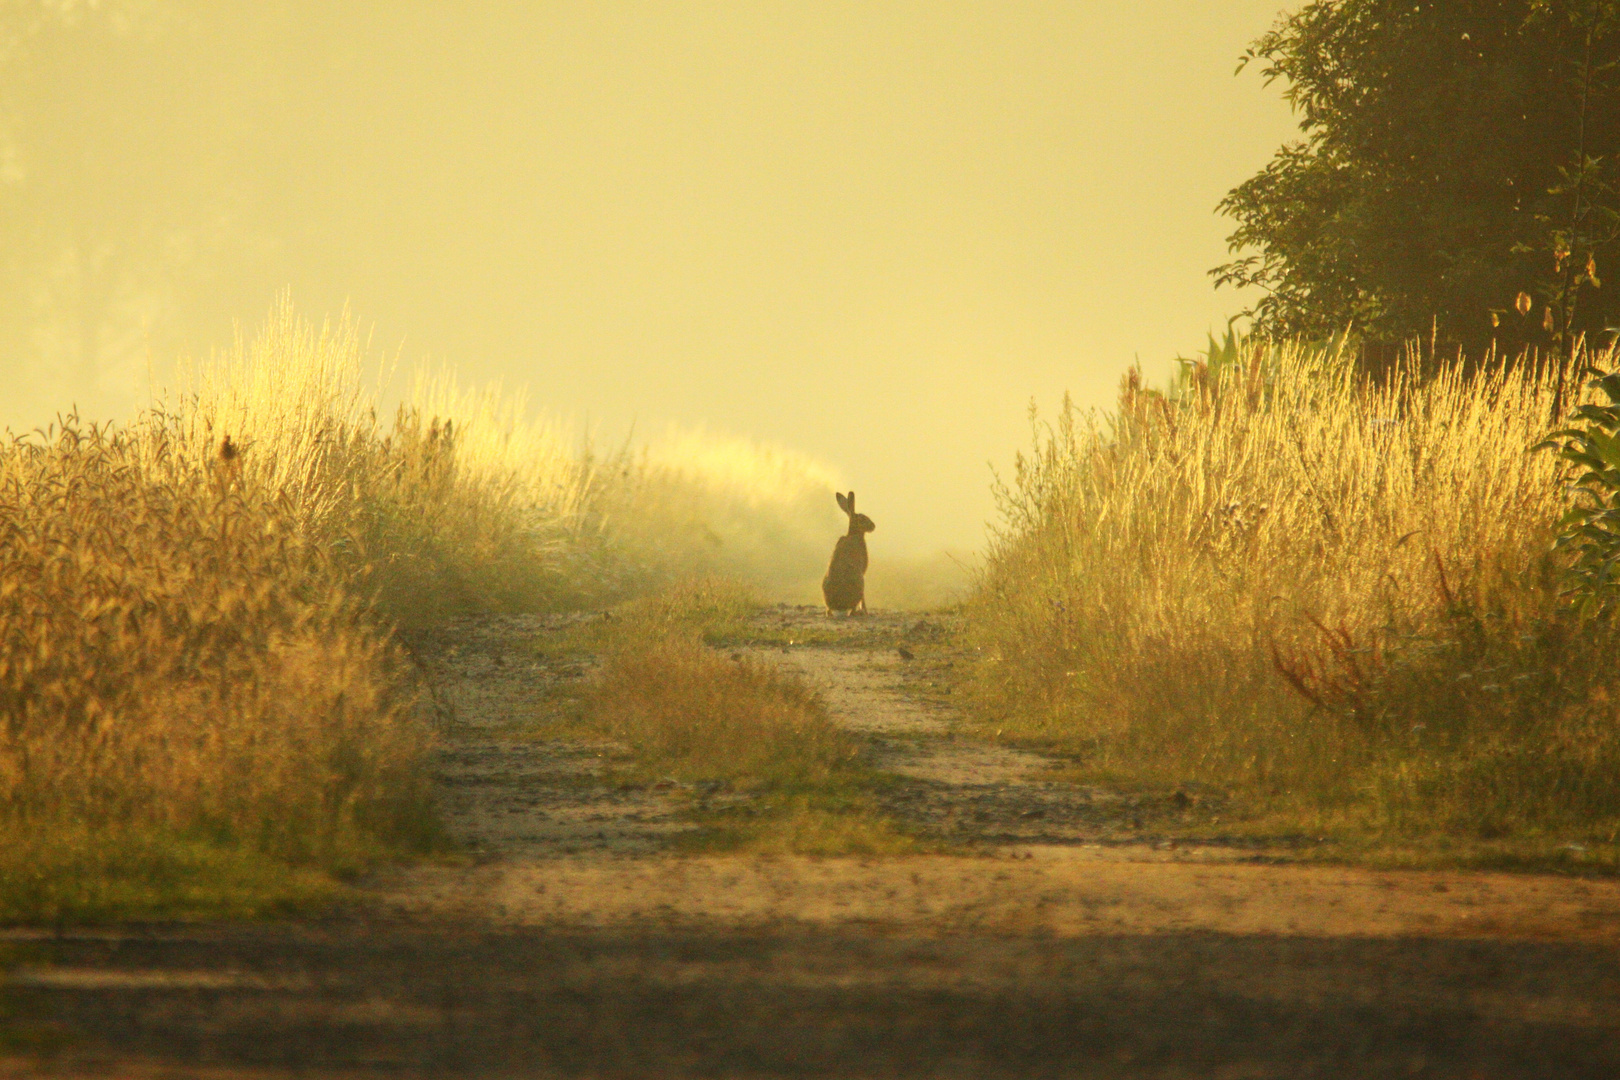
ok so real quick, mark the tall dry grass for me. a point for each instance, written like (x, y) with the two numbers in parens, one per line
(177, 658)
(462, 503)
(195, 608)
(195, 655)
(696, 502)
(1330, 594)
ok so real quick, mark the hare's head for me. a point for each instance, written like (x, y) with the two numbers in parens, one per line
(858, 523)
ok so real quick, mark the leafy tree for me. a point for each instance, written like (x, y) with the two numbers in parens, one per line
(1458, 172)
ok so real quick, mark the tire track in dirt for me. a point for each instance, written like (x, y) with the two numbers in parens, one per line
(882, 678)
(562, 842)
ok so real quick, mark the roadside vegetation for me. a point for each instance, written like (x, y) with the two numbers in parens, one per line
(1314, 602)
(203, 707)
(185, 677)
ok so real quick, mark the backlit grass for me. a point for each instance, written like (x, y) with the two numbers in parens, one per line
(178, 659)
(1330, 599)
(197, 608)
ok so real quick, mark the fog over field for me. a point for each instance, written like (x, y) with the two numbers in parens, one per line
(867, 232)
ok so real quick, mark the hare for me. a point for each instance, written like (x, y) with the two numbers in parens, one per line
(844, 587)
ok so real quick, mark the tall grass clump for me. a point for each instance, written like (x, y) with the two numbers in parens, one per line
(182, 671)
(1334, 596)
(197, 667)
(699, 714)
(460, 504)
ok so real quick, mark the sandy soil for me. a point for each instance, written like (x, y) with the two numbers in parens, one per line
(1066, 940)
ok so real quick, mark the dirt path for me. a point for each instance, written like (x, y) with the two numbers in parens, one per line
(509, 794)
(1066, 938)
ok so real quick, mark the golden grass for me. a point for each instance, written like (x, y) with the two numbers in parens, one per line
(195, 608)
(735, 722)
(200, 702)
(1330, 597)
(696, 502)
(176, 657)
(462, 504)
(698, 714)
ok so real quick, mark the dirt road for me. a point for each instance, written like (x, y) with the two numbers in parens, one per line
(1064, 935)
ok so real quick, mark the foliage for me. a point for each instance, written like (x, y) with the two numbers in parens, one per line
(1331, 597)
(1457, 157)
(1590, 530)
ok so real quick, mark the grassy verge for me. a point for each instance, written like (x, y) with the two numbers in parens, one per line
(185, 681)
(197, 611)
(203, 710)
(1317, 606)
(731, 723)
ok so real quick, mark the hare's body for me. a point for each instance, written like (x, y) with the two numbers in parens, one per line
(844, 587)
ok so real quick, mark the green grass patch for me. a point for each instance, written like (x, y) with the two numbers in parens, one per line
(804, 823)
(69, 876)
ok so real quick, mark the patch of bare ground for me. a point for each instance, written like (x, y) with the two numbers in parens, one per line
(1045, 931)
(509, 787)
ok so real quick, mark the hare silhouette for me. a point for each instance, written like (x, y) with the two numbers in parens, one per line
(844, 587)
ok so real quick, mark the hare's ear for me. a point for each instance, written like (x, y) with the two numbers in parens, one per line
(845, 503)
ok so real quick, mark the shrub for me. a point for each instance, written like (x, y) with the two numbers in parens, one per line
(1590, 530)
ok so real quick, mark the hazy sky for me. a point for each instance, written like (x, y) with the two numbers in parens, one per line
(870, 231)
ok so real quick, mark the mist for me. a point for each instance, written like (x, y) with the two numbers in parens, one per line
(869, 234)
